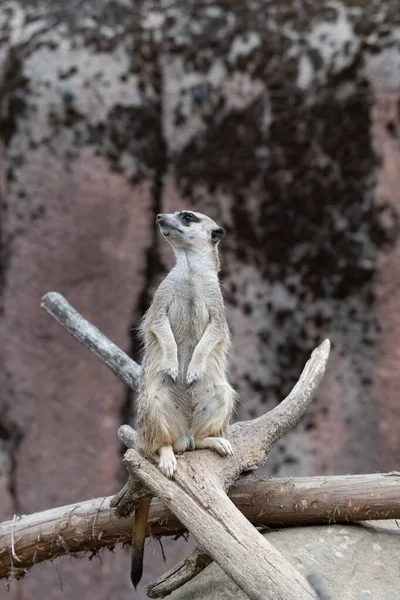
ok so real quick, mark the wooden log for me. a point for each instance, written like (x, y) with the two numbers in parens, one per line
(201, 480)
(91, 525)
(201, 504)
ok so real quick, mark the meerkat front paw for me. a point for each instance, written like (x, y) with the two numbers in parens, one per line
(191, 377)
(194, 373)
(171, 369)
(173, 373)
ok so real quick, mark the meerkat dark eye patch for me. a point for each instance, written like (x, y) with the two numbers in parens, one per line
(188, 217)
(217, 234)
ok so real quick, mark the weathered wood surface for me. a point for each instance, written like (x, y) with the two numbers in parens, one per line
(91, 525)
(197, 495)
(87, 334)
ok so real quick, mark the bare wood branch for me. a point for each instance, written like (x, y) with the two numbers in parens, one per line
(127, 500)
(289, 412)
(227, 537)
(252, 440)
(127, 435)
(202, 506)
(91, 525)
(197, 496)
(87, 334)
(183, 572)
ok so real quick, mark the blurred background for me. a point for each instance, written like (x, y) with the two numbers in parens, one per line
(280, 120)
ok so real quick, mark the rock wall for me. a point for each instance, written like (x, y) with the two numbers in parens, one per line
(281, 121)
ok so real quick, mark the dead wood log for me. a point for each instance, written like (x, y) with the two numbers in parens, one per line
(202, 506)
(91, 525)
(197, 495)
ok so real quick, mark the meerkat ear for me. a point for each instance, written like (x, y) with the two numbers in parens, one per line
(217, 235)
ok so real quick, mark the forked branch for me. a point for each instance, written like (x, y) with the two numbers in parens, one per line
(197, 494)
(198, 500)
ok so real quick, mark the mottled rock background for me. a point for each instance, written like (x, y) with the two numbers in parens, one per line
(281, 121)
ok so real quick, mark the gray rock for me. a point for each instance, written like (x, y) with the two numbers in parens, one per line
(349, 563)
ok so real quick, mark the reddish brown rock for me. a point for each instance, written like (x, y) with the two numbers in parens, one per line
(89, 244)
(386, 380)
(273, 122)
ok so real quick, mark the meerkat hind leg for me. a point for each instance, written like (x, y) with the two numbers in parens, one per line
(220, 445)
(167, 461)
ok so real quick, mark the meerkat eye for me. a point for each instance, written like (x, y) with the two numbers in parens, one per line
(187, 218)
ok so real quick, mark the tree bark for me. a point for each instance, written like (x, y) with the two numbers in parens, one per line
(87, 334)
(89, 526)
(200, 483)
(197, 495)
(201, 504)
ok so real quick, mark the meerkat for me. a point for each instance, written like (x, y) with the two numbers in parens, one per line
(184, 401)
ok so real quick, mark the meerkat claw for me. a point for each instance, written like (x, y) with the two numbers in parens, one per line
(220, 445)
(167, 468)
(172, 372)
(223, 447)
(191, 378)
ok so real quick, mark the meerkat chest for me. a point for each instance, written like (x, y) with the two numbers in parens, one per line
(189, 312)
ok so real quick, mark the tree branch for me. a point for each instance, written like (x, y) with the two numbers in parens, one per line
(197, 494)
(87, 334)
(197, 497)
(183, 572)
(289, 412)
(91, 525)
(199, 502)
(127, 435)
(254, 439)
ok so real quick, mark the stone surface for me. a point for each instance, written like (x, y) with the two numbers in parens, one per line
(281, 121)
(345, 563)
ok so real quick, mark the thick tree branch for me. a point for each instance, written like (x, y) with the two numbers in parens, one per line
(197, 498)
(91, 525)
(87, 334)
(199, 502)
(197, 494)
(252, 440)
(127, 436)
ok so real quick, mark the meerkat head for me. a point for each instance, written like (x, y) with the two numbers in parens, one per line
(187, 230)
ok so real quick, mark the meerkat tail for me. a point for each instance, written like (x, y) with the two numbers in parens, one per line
(138, 539)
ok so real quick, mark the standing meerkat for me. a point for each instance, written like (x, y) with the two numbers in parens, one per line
(185, 401)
